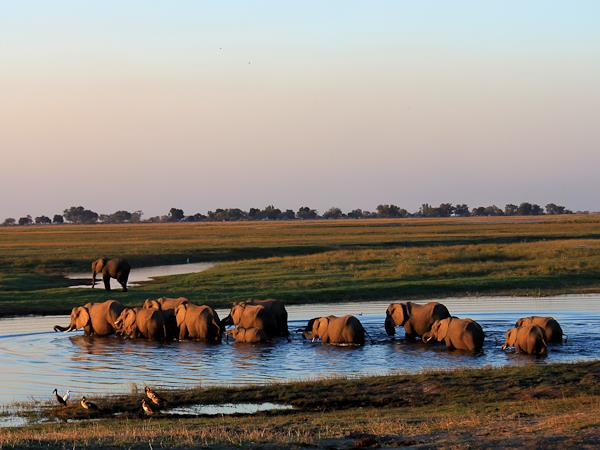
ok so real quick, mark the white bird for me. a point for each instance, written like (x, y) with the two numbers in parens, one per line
(146, 407)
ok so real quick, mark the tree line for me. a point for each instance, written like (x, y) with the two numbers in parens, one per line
(81, 215)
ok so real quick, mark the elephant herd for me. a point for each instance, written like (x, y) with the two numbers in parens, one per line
(256, 321)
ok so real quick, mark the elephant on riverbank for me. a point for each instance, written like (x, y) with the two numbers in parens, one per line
(270, 315)
(198, 322)
(459, 334)
(95, 318)
(142, 322)
(248, 335)
(553, 332)
(415, 318)
(528, 339)
(335, 330)
(111, 268)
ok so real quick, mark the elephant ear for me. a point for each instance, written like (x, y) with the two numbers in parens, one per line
(442, 330)
(399, 313)
(82, 317)
(180, 312)
(320, 326)
(511, 337)
(152, 304)
(520, 322)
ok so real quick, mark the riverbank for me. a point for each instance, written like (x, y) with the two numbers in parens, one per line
(550, 406)
(308, 262)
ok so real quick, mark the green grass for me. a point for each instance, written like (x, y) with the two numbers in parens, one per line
(303, 262)
(535, 406)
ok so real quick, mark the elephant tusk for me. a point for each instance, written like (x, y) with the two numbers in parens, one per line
(313, 339)
(504, 346)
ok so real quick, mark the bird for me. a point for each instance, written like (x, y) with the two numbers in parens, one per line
(86, 404)
(153, 396)
(62, 399)
(146, 407)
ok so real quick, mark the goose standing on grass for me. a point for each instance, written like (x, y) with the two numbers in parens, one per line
(62, 399)
(86, 404)
(153, 396)
(146, 407)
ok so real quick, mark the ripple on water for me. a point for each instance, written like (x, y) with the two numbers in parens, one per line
(34, 360)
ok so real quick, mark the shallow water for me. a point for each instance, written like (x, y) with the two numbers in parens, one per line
(227, 408)
(34, 360)
(141, 274)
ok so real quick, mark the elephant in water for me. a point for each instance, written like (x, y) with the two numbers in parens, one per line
(459, 334)
(95, 318)
(416, 319)
(167, 306)
(198, 322)
(553, 332)
(335, 330)
(528, 339)
(111, 268)
(270, 315)
(248, 335)
(136, 322)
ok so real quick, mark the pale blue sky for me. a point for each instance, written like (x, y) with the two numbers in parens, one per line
(199, 105)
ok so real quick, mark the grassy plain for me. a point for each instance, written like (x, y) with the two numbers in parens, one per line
(535, 406)
(312, 261)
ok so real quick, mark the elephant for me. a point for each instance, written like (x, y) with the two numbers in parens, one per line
(459, 334)
(248, 335)
(95, 318)
(165, 303)
(198, 322)
(553, 333)
(335, 330)
(268, 314)
(167, 306)
(136, 322)
(528, 339)
(415, 318)
(111, 268)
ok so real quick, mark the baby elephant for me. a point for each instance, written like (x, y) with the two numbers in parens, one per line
(335, 330)
(248, 335)
(553, 333)
(528, 339)
(459, 334)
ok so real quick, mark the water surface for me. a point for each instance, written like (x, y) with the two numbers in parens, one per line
(34, 360)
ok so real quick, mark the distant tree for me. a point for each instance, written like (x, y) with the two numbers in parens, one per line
(154, 219)
(356, 214)
(462, 210)
(195, 218)
(511, 210)
(255, 214)
(9, 221)
(492, 210)
(175, 215)
(136, 216)
(391, 211)
(333, 213)
(529, 209)
(42, 220)
(306, 213)
(552, 208)
(288, 214)
(78, 214)
(27, 220)
(58, 219)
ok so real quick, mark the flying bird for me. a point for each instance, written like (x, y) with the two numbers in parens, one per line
(62, 399)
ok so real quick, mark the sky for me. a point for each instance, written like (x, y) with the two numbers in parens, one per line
(199, 105)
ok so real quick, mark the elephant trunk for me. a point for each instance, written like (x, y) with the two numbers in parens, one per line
(226, 321)
(390, 326)
(59, 328)
(427, 337)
